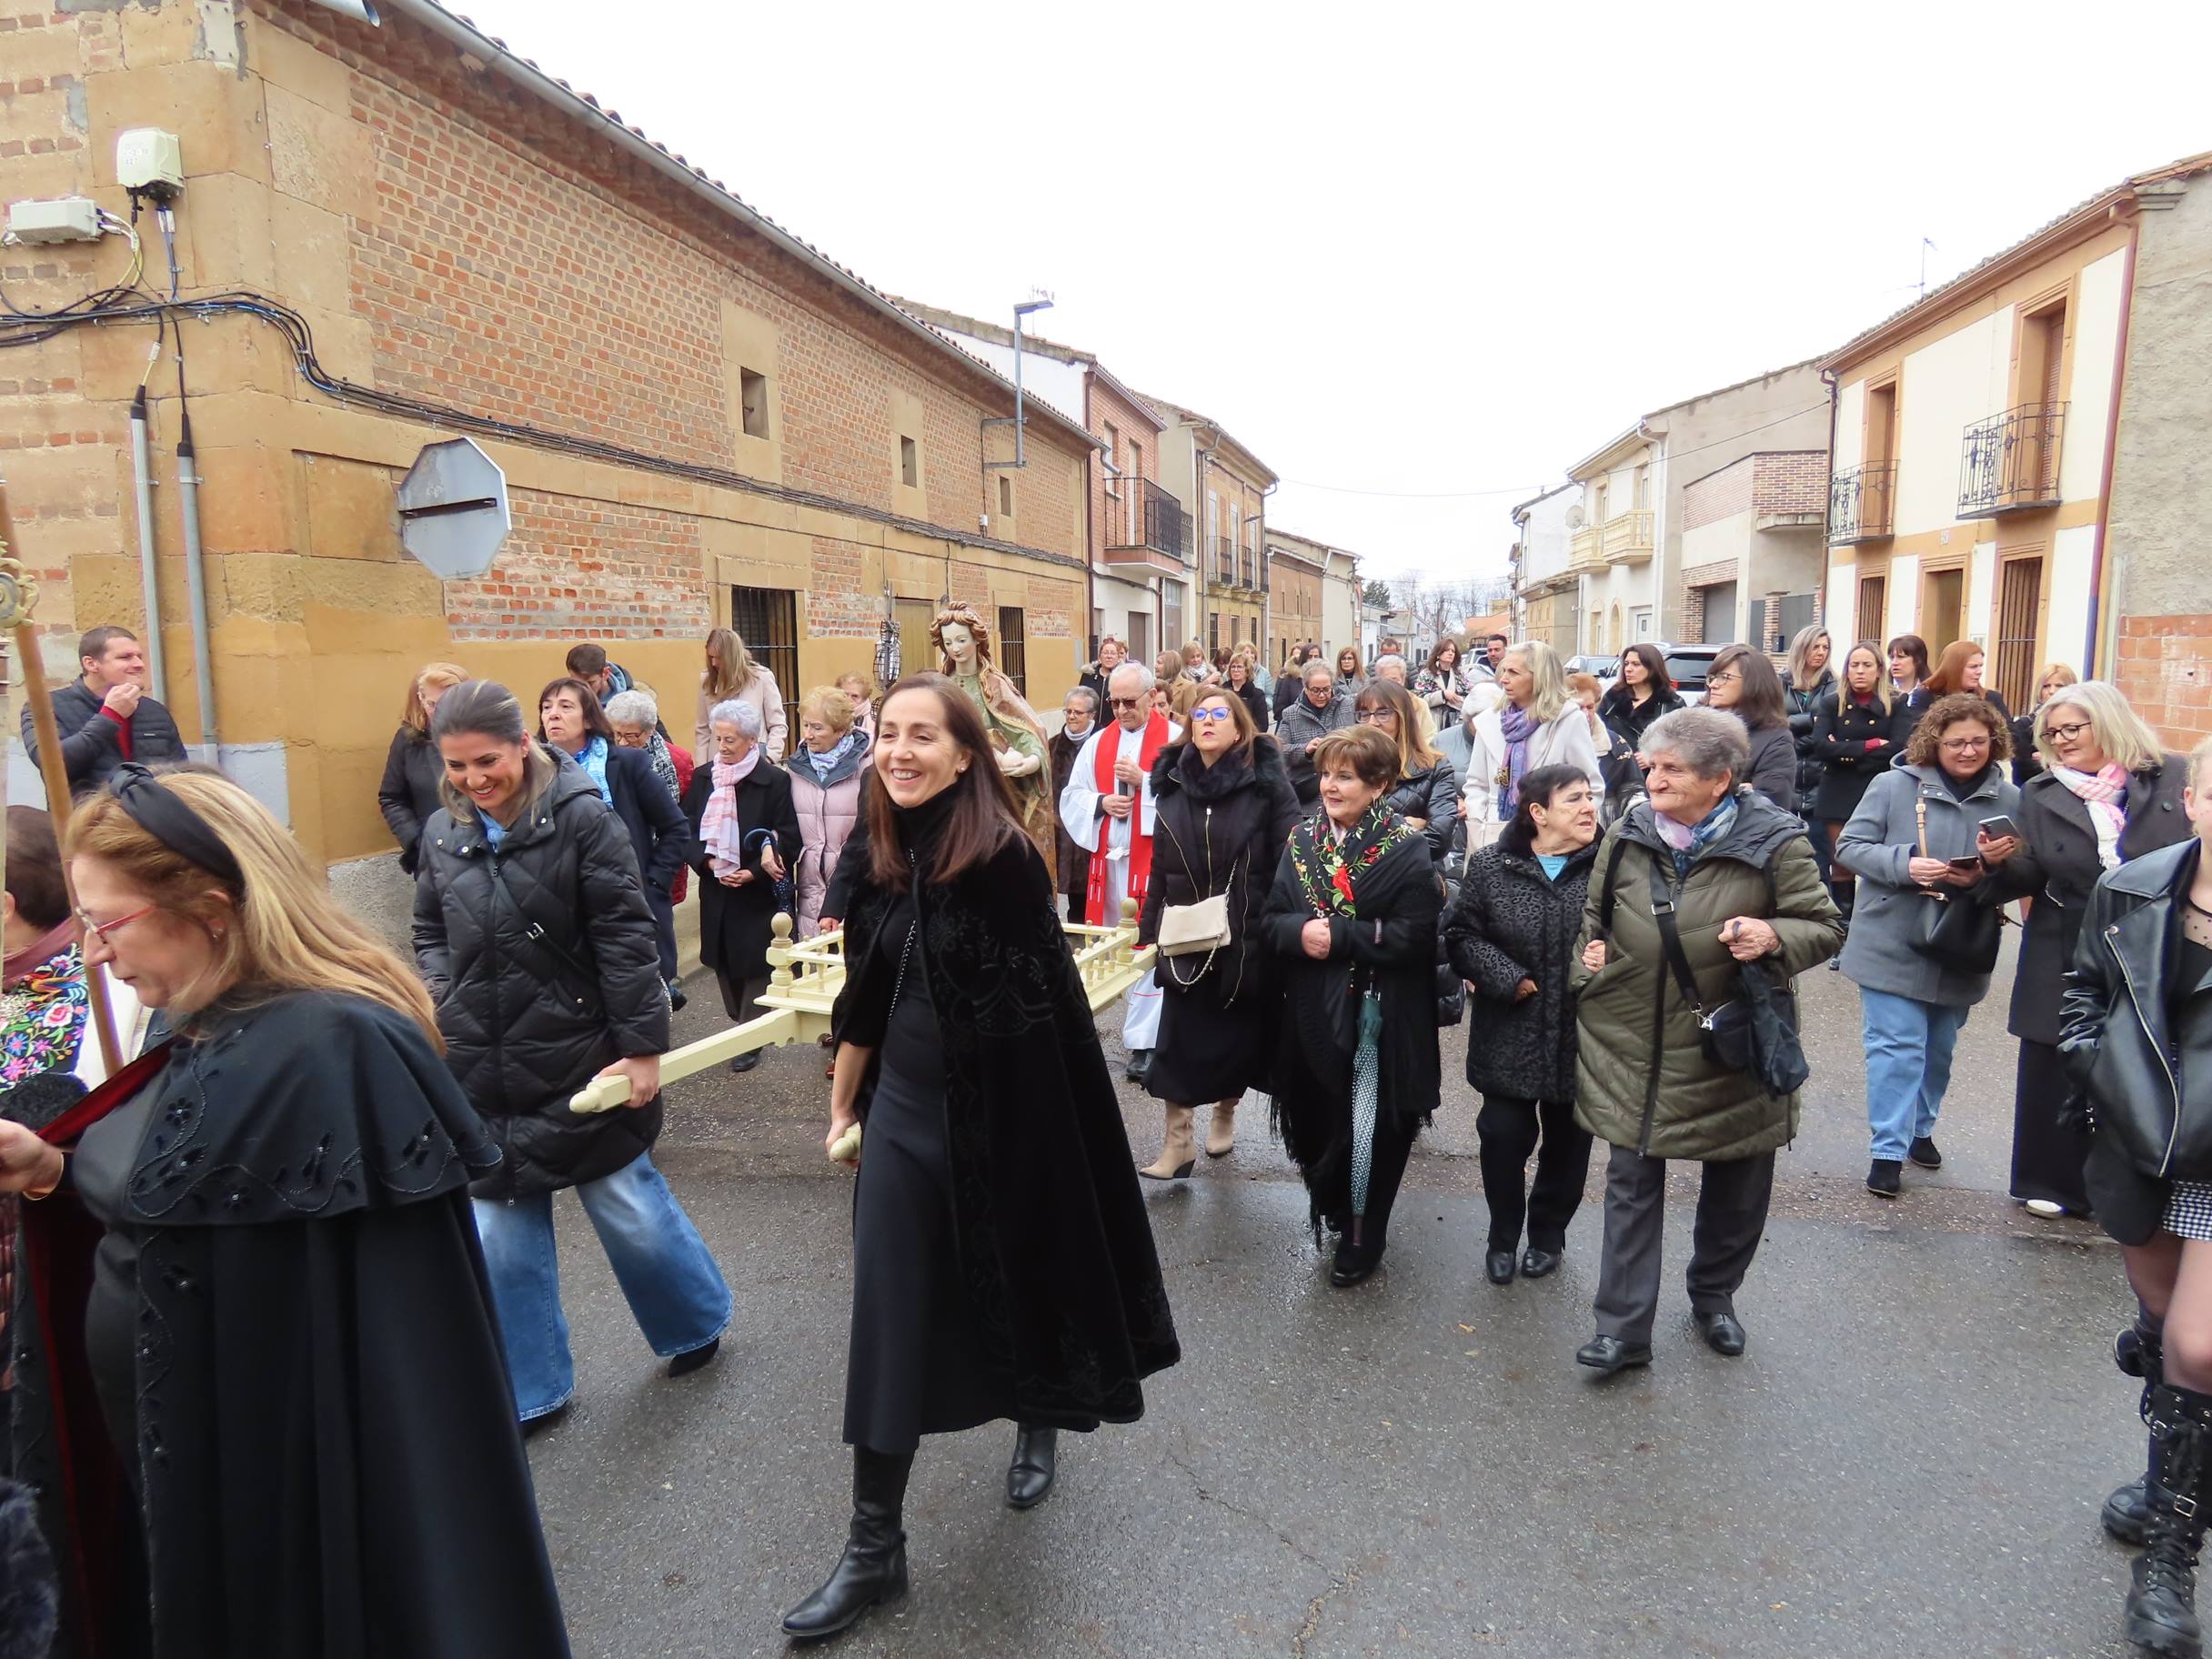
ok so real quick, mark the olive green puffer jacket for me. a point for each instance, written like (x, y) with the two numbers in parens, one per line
(1667, 1099)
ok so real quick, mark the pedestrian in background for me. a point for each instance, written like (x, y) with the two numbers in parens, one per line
(1857, 733)
(732, 675)
(1731, 874)
(1290, 683)
(1002, 1265)
(1078, 718)
(1323, 707)
(293, 1303)
(861, 689)
(1350, 677)
(826, 769)
(1537, 724)
(1441, 684)
(1195, 666)
(1959, 670)
(533, 932)
(103, 715)
(634, 716)
(1808, 681)
(1224, 807)
(1112, 654)
(1742, 681)
(1621, 777)
(1918, 832)
(1512, 931)
(1239, 679)
(572, 721)
(2107, 795)
(413, 770)
(2027, 756)
(2135, 1029)
(1644, 692)
(1908, 675)
(1353, 918)
(1426, 794)
(745, 838)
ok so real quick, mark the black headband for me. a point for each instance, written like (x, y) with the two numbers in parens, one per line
(171, 820)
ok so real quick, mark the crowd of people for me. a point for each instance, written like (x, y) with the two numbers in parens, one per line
(249, 1151)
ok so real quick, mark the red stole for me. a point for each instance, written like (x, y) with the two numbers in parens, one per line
(1139, 843)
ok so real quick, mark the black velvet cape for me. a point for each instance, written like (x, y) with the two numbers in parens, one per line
(1056, 1252)
(328, 1447)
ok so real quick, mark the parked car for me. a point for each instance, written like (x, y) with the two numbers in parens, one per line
(1606, 668)
(1687, 666)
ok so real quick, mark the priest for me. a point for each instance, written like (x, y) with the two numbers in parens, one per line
(1107, 809)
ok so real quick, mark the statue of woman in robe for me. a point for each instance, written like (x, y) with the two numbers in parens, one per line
(1017, 736)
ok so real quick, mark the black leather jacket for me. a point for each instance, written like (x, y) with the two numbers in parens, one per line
(2146, 1072)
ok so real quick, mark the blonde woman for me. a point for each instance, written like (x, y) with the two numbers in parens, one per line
(409, 794)
(1857, 732)
(288, 1296)
(827, 770)
(860, 689)
(1536, 724)
(732, 675)
(2026, 762)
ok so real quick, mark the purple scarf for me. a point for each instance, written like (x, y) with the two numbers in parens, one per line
(1519, 726)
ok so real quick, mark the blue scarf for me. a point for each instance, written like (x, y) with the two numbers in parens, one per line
(1684, 844)
(592, 757)
(819, 766)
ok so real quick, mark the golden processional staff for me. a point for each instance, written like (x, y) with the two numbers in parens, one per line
(18, 597)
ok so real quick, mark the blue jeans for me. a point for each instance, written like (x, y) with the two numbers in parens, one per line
(1908, 1067)
(676, 1292)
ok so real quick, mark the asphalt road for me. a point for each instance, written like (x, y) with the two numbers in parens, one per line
(1908, 1461)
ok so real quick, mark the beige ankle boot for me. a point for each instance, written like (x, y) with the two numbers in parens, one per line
(1221, 1129)
(1176, 1156)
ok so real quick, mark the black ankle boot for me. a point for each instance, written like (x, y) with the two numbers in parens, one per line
(2127, 1512)
(873, 1567)
(2162, 1601)
(1030, 1476)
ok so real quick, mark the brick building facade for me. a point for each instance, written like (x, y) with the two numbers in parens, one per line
(1751, 547)
(712, 421)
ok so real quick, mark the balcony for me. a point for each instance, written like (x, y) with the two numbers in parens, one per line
(1144, 527)
(1862, 504)
(2010, 463)
(1584, 553)
(1233, 565)
(1628, 538)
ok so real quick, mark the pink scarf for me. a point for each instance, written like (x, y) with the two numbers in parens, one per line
(719, 830)
(2105, 793)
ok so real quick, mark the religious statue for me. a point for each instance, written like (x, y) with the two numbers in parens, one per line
(1017, 736)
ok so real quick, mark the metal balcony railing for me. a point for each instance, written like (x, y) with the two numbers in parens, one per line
(2010, 461)
(1142, 514)
(1862, 503)
(1226, 570)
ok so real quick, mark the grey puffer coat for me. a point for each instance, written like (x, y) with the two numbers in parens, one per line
(1512, 922)
(1664, 1098)
(527, 1021)
(1878, 845)
(1300, 724)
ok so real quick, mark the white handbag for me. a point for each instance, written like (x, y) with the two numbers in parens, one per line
(1185, 930)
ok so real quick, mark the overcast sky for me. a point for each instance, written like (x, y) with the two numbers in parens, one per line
(1435, 253)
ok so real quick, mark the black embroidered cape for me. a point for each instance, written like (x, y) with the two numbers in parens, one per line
(1056, 1252)
(328, 1459)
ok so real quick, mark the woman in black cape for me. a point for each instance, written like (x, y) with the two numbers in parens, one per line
(1352, 920)
(1002, 1264)
(259, 1385)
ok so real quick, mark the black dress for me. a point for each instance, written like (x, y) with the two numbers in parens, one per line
(917, 1364)
(1220, 830)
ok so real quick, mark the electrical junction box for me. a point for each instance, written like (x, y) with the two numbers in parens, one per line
(150, 161)
(73, 218)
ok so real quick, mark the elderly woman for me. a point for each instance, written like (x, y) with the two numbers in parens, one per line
(409, 794)
(1352, 920)
(745, 836)
(1323, 706)
(2107, 793)
(1921, 838)
(826, 771)
(634, 716)
(2136, 1032)
(1744, 683)
(1536, 724)
(1511, 934)
(572, 723)
(861, 689)
(1078, 716)
(1707, 858)
(1426, 794)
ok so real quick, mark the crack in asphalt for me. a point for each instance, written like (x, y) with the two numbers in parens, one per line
(1208, 1495)
(1339, 1585)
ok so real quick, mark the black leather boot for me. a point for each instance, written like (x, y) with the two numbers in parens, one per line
(2162, 1601)
(1030, 1476)
(2126, 1513)
(872, 1569)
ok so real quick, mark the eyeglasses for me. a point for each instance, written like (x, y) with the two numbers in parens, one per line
(1125, 702)
(1213, 711)
(1373, 716)
(2066, 734)
(1728, 678)
(101, 930)
(1963, 746)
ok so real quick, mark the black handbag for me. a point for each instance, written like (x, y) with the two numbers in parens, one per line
(1962, 934)
(1755, 1032)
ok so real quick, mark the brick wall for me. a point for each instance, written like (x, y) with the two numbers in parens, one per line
(574, 569)
(1114, 520)
(1717, 496)
(2166, 674)
(1790, 481)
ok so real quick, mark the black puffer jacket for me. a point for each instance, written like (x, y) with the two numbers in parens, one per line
(1221, 829)
(528, 1023)
(1512, 922)
(1434, 797)
(1803, 703)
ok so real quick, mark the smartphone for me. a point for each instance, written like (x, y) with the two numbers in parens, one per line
(1969, 862)
(1996, 829)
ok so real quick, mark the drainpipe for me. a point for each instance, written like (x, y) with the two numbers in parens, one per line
(1199, 455)
(2112, 445)
(196, 581)
(1090, 529)
(1827, 378)
(142, 471)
